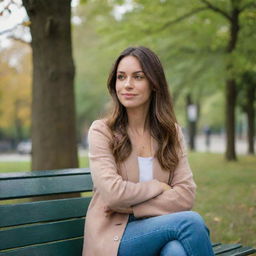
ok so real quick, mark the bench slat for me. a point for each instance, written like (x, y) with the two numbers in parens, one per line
(64, 248)
(215, 244)
(239, 252)
(225, 248)
(53, 210)
(47, 173)
(41, 233)
(27, 187)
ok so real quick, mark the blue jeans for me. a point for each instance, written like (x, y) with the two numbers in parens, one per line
(174, 234)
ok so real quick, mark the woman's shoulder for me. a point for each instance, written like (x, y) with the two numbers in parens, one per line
(99, 126)
(99, 123)
(181, 138)
(178, 129)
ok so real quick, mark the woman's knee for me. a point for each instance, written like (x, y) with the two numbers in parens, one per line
(187, 218)
(195, 220)
(173, 248)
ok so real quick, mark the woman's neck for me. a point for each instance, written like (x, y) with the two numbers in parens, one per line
(138, 122)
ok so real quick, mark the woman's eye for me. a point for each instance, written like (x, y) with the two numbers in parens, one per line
(120, 77)
(138, 77)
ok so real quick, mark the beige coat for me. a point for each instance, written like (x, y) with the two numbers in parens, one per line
(118, 187)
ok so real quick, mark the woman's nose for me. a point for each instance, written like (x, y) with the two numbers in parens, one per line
(128, 82)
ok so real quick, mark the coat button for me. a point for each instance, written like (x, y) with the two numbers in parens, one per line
(116, 238)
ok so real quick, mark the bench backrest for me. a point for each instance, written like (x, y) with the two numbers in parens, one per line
(46, 227)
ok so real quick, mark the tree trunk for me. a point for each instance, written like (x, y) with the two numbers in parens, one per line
(18, 123)
(230, 119)
(231, 89)
(191, 121)
(250, 111)
(53, 108)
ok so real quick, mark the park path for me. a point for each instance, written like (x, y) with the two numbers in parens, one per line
(217, 145)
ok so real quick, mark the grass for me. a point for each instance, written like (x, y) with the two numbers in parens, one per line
(226, 194)
(23, 166)
(14, 166)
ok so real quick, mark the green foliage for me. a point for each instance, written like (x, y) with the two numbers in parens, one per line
(246, 82)
(15, 91)
(192, 49)
(212, 112)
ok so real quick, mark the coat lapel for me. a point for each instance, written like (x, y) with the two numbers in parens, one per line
(130, 167)
(158, 172)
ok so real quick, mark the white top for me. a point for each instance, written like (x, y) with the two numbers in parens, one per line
(146, 168)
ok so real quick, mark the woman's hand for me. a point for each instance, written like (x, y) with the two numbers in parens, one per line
(108, 211)
(165, 186)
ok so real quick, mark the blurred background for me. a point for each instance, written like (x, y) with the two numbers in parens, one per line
(208, 51)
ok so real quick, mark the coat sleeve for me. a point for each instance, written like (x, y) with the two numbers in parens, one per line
(179, 198)
(115, 191)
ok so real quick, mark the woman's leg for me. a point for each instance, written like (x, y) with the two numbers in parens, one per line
(148, 236)
(173, 248)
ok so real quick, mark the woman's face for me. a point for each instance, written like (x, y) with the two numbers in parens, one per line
(132, 87)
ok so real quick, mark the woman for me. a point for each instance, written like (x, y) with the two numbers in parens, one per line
(143, 185)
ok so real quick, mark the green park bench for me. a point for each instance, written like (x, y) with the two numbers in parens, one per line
(54, 227)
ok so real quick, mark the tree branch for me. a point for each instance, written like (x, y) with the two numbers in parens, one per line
(216, 9)
(248, 5)
(5, 8)
(187, 15)
(8, 5)
(19, 40)
(9, 30)
(23, 23)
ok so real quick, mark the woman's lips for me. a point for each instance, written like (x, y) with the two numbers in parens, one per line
(128, 95)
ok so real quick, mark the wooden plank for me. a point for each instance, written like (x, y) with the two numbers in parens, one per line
(242, 251)
(63, 248)
(28, 187)
(225, 248)
(215, 244)
(46, 173)
(33, 212)
(41, 233)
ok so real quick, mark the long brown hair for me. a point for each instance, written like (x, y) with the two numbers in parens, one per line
(162, 119)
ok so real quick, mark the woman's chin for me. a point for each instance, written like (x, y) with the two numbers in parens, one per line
(129, 104)
(134, 105)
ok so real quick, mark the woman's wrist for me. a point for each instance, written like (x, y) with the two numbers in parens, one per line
(165, 186)
(128, 210)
